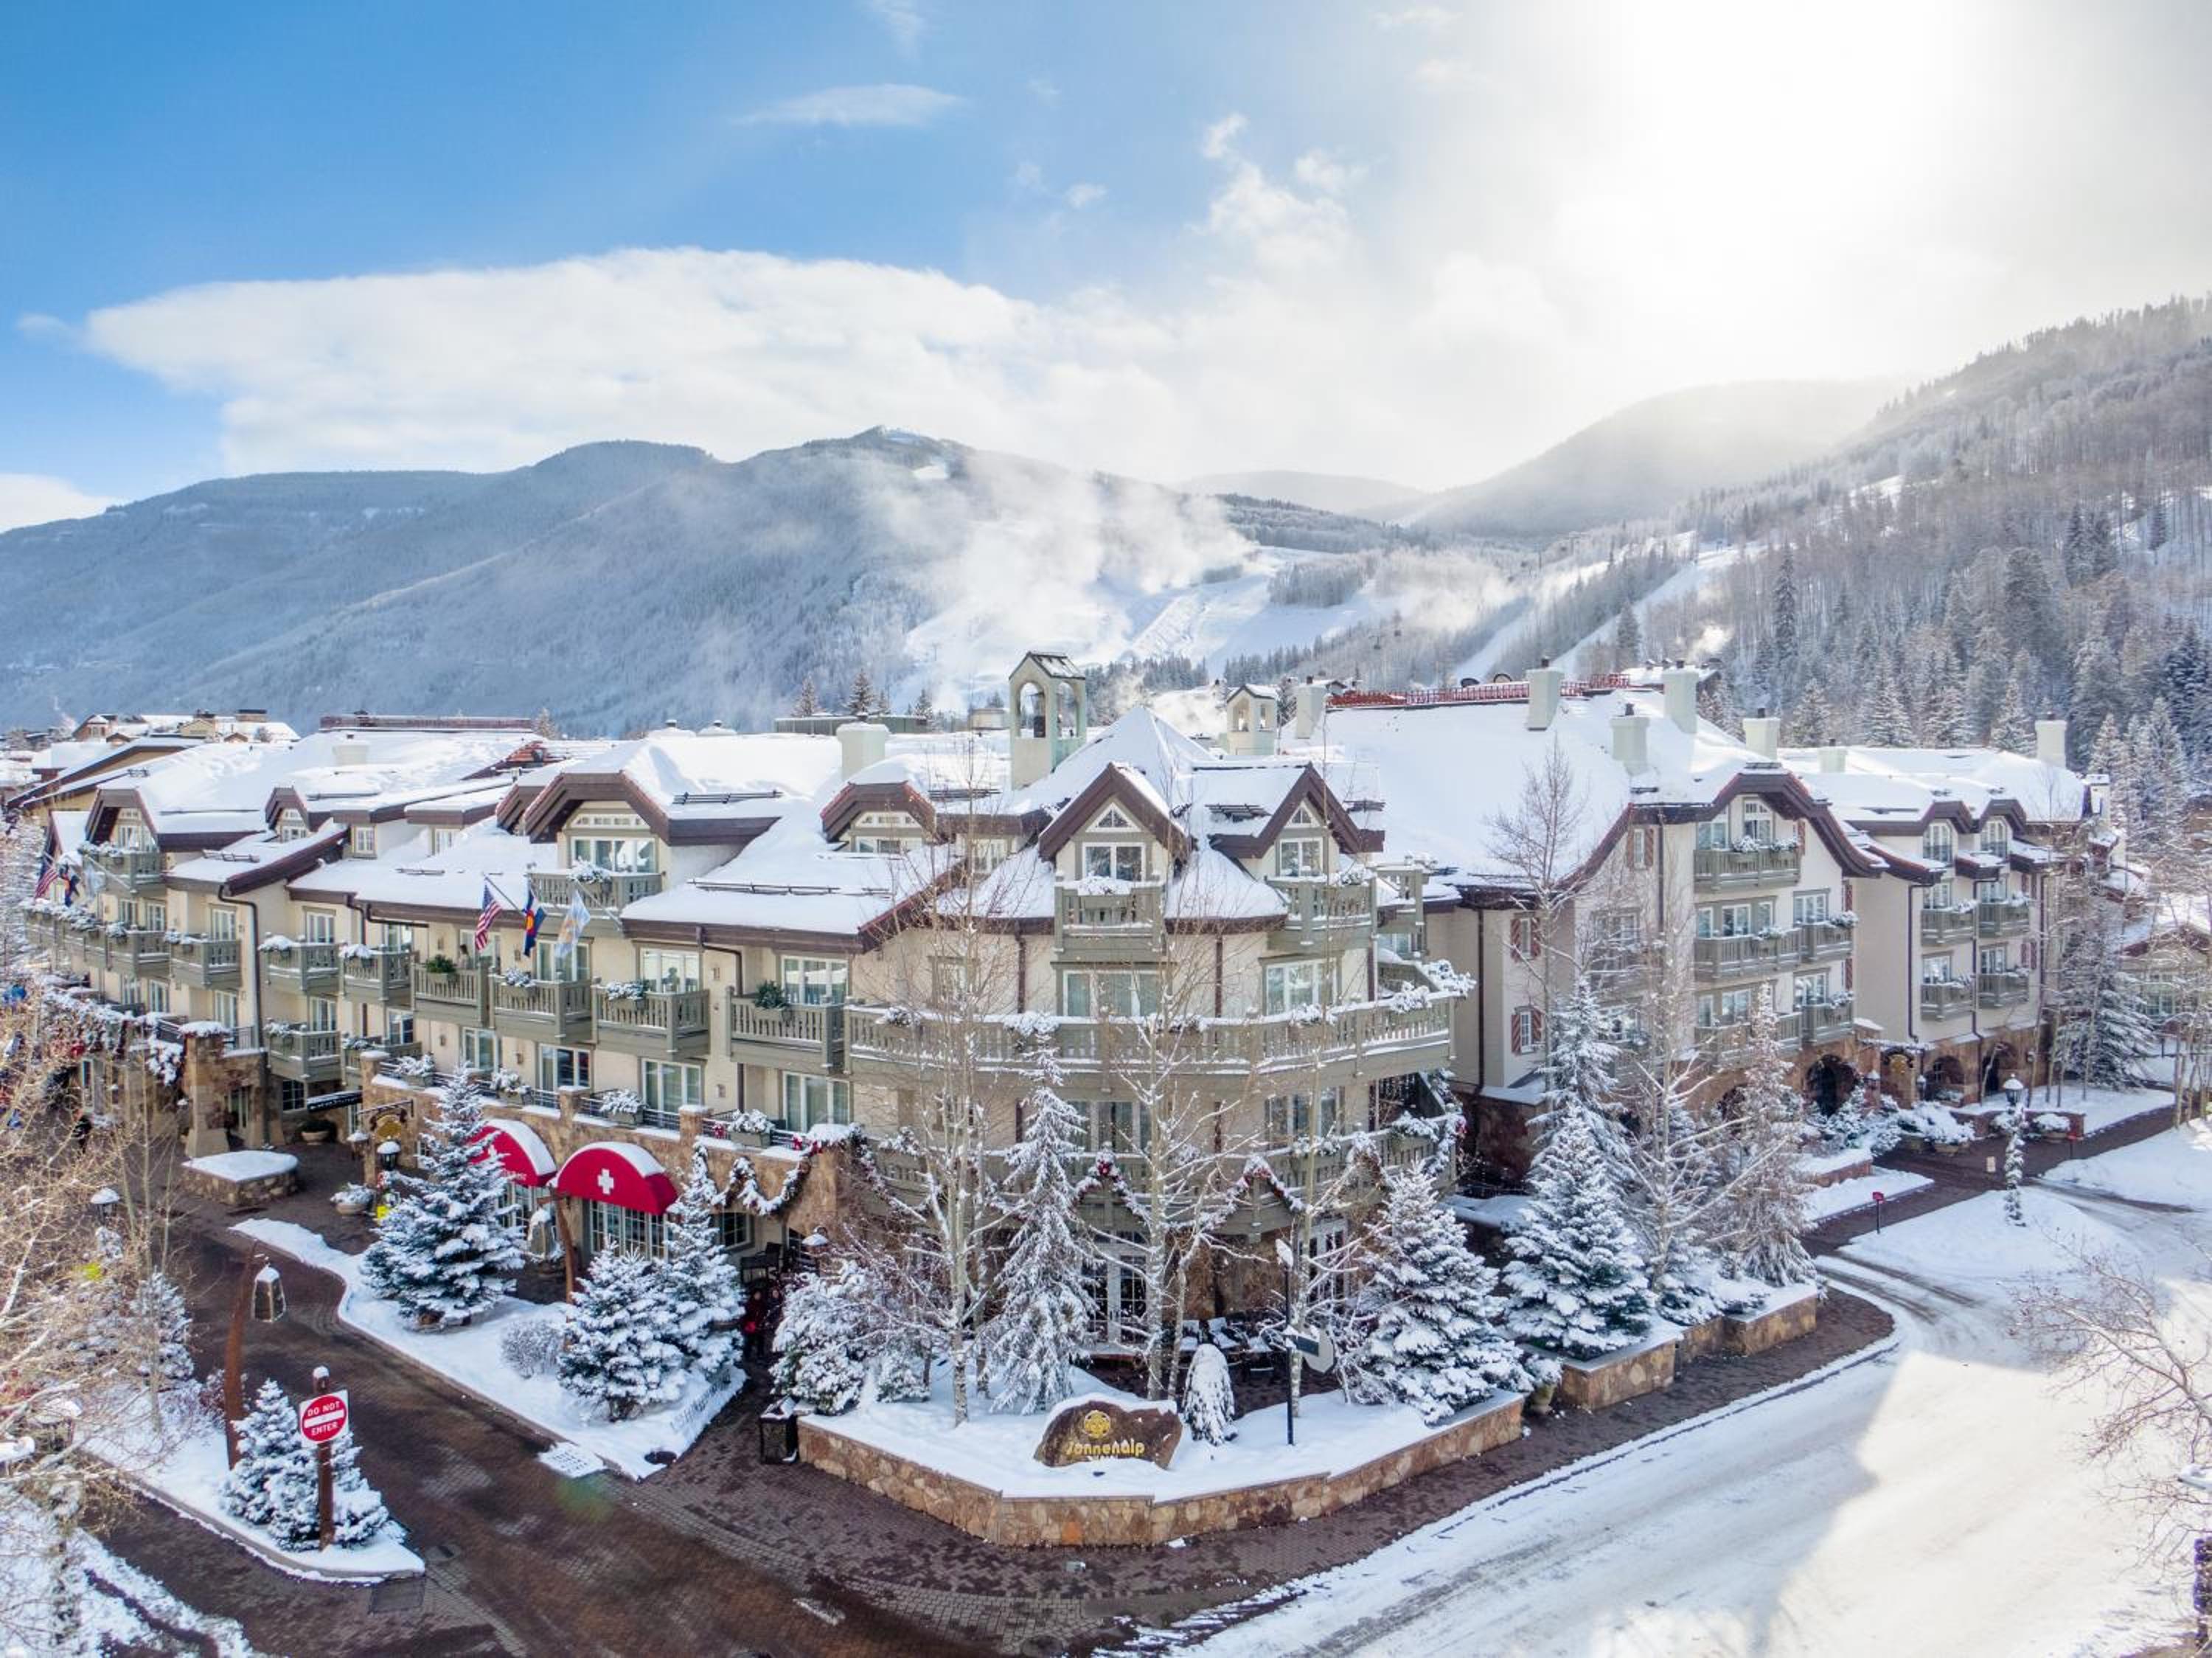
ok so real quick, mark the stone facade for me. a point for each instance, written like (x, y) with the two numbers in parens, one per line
(1776, 1325)
(1598, 1384)
(1142, 1522)
(234, 1191)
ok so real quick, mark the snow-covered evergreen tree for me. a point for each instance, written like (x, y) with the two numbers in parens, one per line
(2103, 1032)
(273, 1484)
(1579, 1060)
(861, 700)
(1887, 724)
(621, 1354)
(442, 1253)
(1576, 1280)
(808, 703)
(1438, 1344)
(2016, 1166)
(820, 1362)
(1041, 1325)
(165, 1325)
(2013, 731)
(1764, 1217)
(1209, 1402)
(698, 1277)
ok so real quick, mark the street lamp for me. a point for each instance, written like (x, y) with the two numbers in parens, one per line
(261, 1295)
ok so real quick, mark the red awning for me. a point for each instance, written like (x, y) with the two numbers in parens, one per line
(520, 1151)
(608, 1172)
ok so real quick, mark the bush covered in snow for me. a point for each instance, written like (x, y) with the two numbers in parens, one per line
(820, 1364)
(532, 1348)
(1209, 1401)
(1934, 1124)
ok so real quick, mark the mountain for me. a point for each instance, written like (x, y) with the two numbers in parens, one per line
(618, 584)
(1360, 497)
(1644, 458)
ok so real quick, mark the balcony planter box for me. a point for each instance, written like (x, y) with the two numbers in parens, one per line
(1601, 1383)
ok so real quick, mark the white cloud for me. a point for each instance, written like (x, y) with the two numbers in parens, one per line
(902, 19)
(889, 104)
(1221, 136)
(1044, 90)
(1080, 196)
(34, 499)
(1029, 176)
(1318, 169)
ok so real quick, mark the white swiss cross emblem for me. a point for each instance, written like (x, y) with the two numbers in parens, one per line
(607, 1183)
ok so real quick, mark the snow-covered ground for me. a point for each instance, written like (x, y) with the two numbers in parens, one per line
(2102, 1107)
(121, 1608)
(1848, 1197)
(1933, 1497)
(470, 1358)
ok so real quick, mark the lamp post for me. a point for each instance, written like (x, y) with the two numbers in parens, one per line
(260, 1296)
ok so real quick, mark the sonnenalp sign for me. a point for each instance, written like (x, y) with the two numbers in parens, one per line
(1098, 1430)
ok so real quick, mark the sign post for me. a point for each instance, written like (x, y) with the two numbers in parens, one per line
(323, 1417)
(1878, 1201)
(1289, 1263)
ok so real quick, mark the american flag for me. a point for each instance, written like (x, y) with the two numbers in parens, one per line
(48, 871)
(491, 908)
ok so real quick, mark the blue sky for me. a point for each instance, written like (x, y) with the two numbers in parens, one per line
(1413, 240)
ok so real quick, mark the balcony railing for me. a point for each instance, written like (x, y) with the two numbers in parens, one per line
(1393, 1039)
(1774, 864)
(1320, 907)
(1941, 924)
(458, 995)
(305, 1056)
(1727, 1040)
(541, 1009)
(604, 894)
(310, 968)
(652, 1022)
(1126, 924)
(391, 1051)
(379, 975)
(1824, 941)
(207, 963)
(2003, 987)
(2002, 917)
(797, 1032)
(1823, 1022)
(1942, 998)
(135, 867)
(1743, 955)
(142, 953)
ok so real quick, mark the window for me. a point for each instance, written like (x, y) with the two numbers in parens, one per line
(1996, 838)
(1294, 1116)
(222, 1007)
(811, 981)
(1937, 843)
(154, 916)
(622, 855)
(1292, 985)
(1713, 835)
(1528, 1029)
(1935, 969)
(564, 1067)
(1734, 1006)
(399, 1028)
(1109, 992)
(1808, 907)
(1993, 958)
(1117, 1292)
(1810, 990)
(1113, 860)
(546, 961)
(322, 1014)
(1643, 846)
(479, 1051)
(1299, 854)
(222, 923)
(671, 1088)
(157, 995)
(1619, 931)
(290, 825)
(1524, 936)
(441, 836)
(814, 1101)
(361, 840)
(1735, 920)
(609, 1227)
(396, 937)
(1990, 891)
(1759, 822)
(318, 927)
(1942, 896)
(669, 970)
(1120, 1125)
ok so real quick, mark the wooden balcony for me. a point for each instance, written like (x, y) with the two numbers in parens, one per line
(310, 969)
(2005, 987)
(1324, 912)
(1128, 924)
(386, 976)
(140, 952)
(656, 1024)
(1831, 1020)
(138, 868)
(1370, 1039)
(1747, 955)
(305, 1056)
(459, 996)
(1824, 941)
(1728, 1042)
(1945, 998)
(1946, 923)
(794, 1037)
(541, 1010)
(604, 894)
(2002, 917)
(1773, 865)
(207, 964)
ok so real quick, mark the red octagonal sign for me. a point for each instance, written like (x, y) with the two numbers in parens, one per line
(323, 1417)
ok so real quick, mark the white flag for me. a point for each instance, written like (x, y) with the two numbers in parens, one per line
(574, 920)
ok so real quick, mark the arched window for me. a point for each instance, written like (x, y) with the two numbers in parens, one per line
(1030, 712)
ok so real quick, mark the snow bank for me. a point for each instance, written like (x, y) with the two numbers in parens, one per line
(121, 1608)
(2174, 1167)
(998, 1452)
(1973, 1243)
(469, 1358)
(244, 1165)
(1848, 1197)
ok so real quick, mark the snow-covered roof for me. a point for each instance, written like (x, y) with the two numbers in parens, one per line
(411, 876)
(236, 866)
(1879, 788)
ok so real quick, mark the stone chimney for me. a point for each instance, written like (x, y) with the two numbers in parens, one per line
(1632, 742)
(1544, 685)
(2050, 741)
(1312, 698)
(1762, 735)
(860, 747)
(1679, 685)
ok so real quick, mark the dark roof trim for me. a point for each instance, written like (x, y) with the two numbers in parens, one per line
(1114, 785)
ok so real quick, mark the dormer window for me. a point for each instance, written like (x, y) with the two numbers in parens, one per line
(1938, 845)
(1113, 860)
(1301, 856)
(360, 841)
(1759, 823)
(291, 824)
(1996, 838)
(621, 855)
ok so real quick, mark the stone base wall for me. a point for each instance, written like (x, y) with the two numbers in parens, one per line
(1596, 1384)
(1697, 1341)
(255, 1193)
(1861, 1166)
(1140, 1521)
(1771, 1328)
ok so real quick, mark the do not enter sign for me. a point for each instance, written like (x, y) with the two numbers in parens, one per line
(323, 1417)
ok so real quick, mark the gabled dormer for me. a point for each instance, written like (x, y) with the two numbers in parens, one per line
(1117, 829)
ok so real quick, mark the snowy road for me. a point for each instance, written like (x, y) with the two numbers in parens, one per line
(1931, 1497)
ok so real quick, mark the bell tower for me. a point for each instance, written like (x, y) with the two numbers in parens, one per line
(1048, 715)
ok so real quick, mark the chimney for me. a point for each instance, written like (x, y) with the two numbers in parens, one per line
(1679, 685)
(1544, 685)
(1312, 698)
(1832, 760)
(860, 747)
(349, 751)
(2050, 741)
(1762, 735)
(1632, 742)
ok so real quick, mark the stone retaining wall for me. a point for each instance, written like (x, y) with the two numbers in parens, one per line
(1596, 1384)
(1137, 1521)
(1772, 1328)
(257, 1192)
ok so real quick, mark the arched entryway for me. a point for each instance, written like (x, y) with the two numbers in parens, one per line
(1900, 1076)
(1830, 1084)
(2002, 1061)
(1945, 1076)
